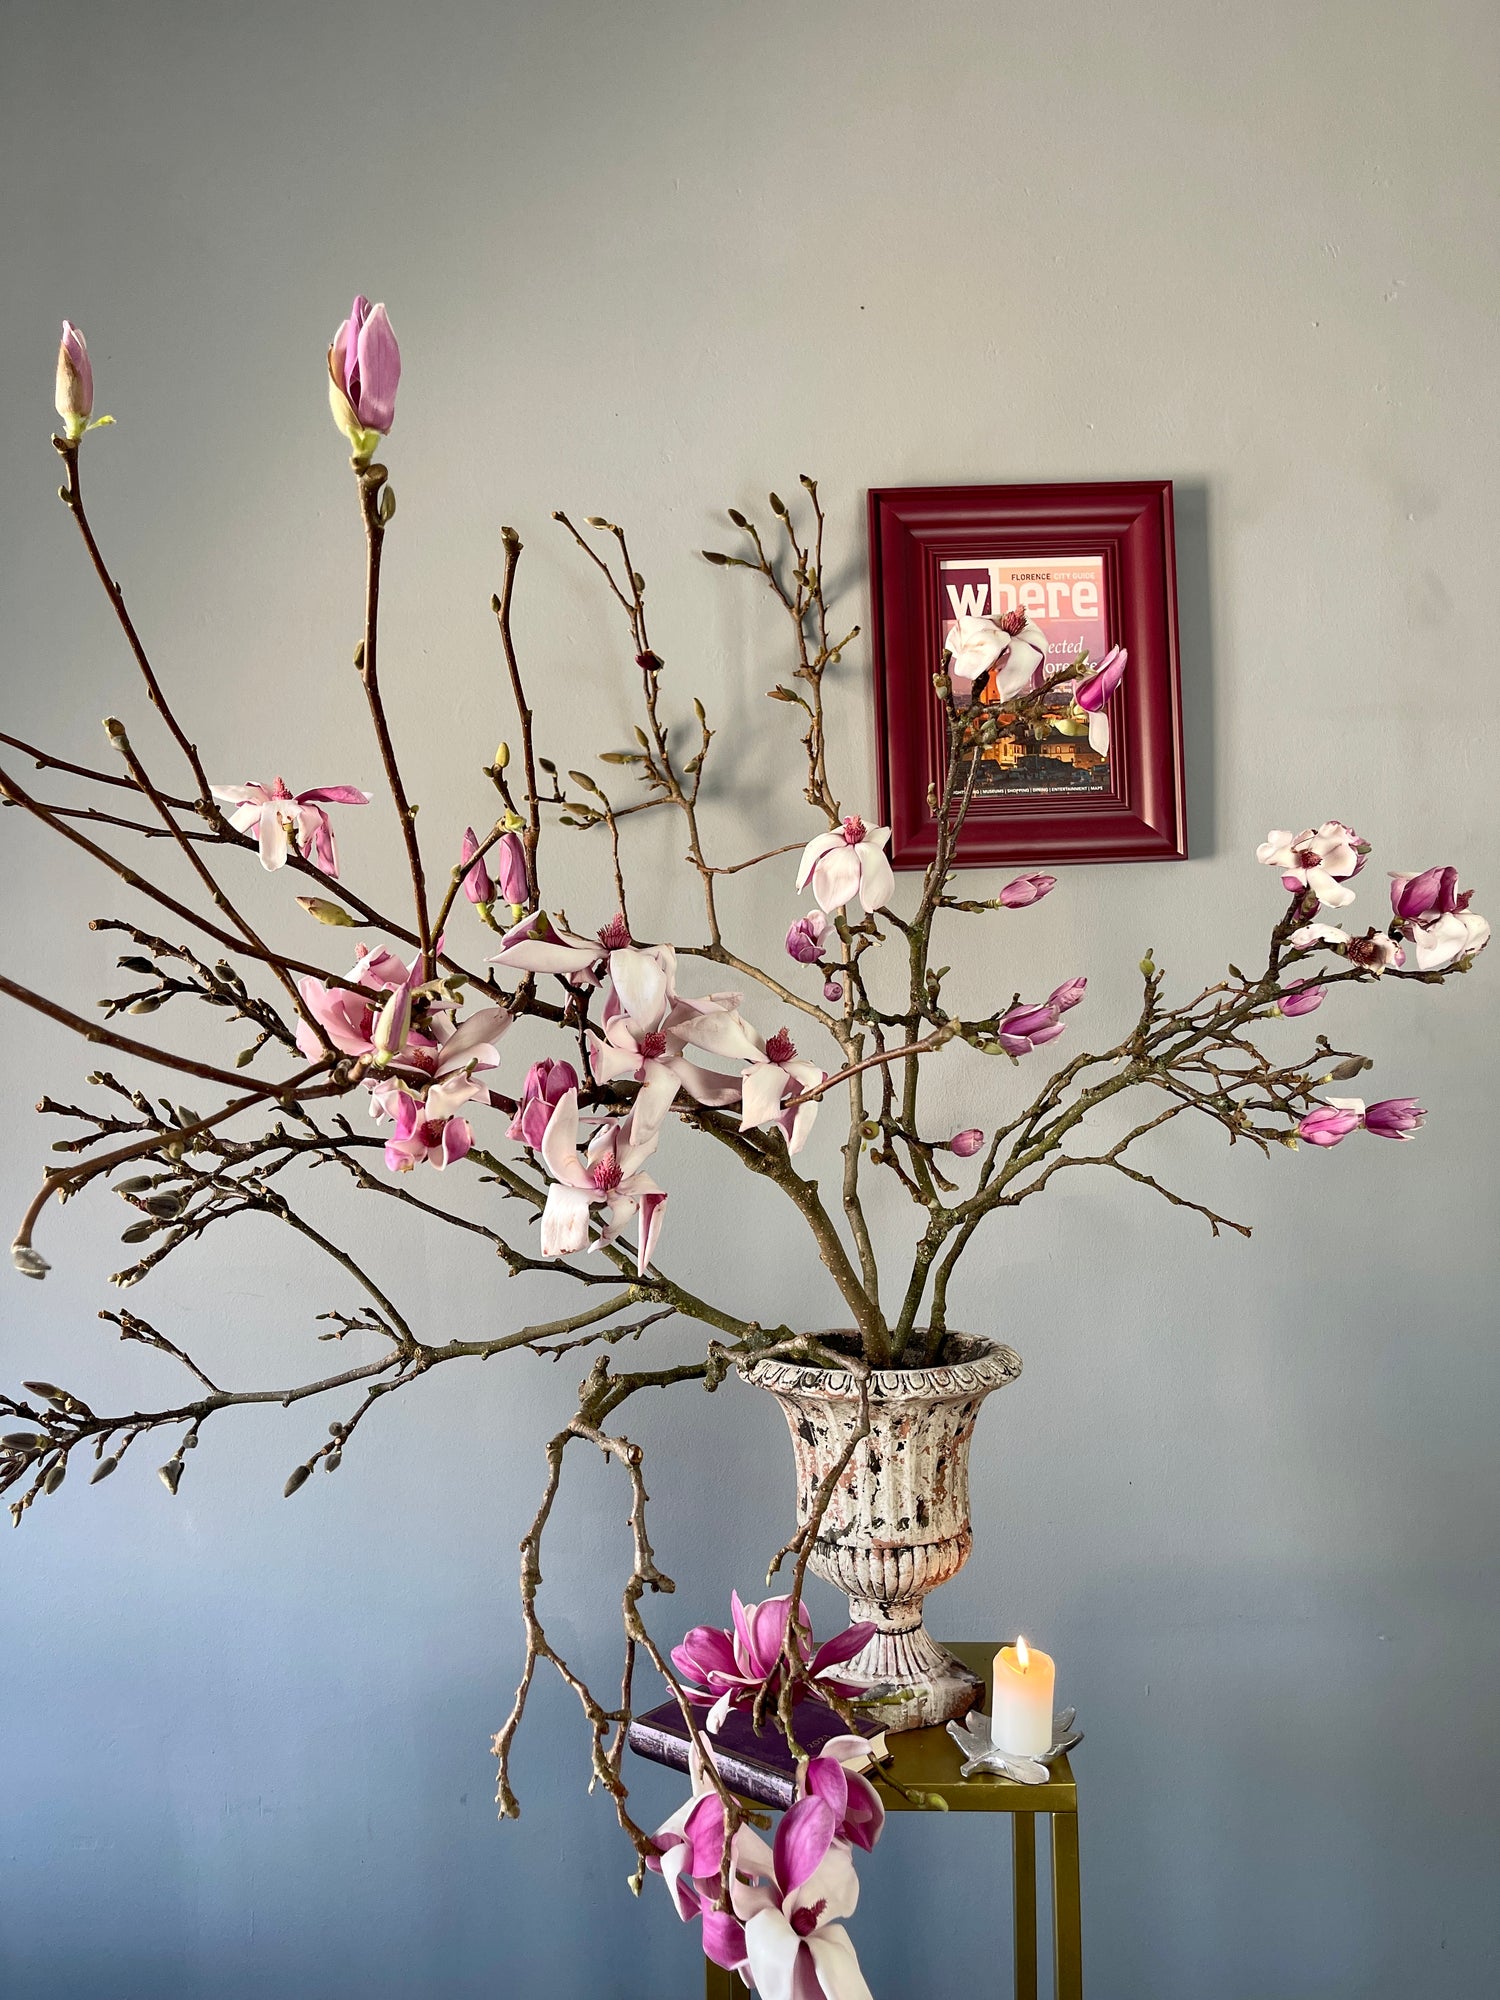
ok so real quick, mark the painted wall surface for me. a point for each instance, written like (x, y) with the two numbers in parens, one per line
(649, 261)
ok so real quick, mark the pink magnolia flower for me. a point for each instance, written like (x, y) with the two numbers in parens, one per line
(427, 1128)
(789, 1897)
(75, 383)
(1433, 893)
(647, 1028)
(804, 941)
(547, 1084)
(1067, 995)
(1320, 860)
(966, 1144)
(1376, 951)
(348, 1018)
(999, 657)
(774, 1074)
(1027, 889)
(1337, 1117)
(364, 369)
(836, 1775)
(1092, 696)
(1394, 1118)
(734, 1666)
(536, 944)
(777, 1930)
(477, 884)
(1025, 1028)
(690, 1859)
(279, 817)
(1443, 940)
(1329, 1122)
(848, 862)
(1301, 996)
(609, 1177)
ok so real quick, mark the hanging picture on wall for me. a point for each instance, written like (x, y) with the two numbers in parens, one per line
(1050, 613)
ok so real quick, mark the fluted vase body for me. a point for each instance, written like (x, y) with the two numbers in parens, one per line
(898, 1522)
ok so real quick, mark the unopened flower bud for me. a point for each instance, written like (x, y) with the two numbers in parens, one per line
(477, 884)
(832, 990)
(328, 913)
(364, 369)
(510, 870)
(30, 1263)
(392, 1025)
(75, 383)
(966, 1144)
(502, 757)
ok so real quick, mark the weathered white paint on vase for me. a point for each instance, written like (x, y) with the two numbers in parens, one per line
(898, 1523)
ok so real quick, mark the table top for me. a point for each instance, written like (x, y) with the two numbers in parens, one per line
(929, 1760)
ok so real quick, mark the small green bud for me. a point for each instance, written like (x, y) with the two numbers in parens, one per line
(328, 913)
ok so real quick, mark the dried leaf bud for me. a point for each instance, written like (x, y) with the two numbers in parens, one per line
(56, 1476)
(170, 1475)
(713, 556)
(48, 1389)
(333, 1461)
(298, 1478)
(778, 506)
(104, 1468)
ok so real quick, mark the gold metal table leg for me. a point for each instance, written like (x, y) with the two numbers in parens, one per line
(1023, 1835)
(1067, 1940)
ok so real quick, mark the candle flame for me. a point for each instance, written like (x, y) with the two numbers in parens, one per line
(1023, 1658)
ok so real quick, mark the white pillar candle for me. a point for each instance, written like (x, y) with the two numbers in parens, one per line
(1021, 1714)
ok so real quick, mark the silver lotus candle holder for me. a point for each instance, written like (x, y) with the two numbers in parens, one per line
(981, 1753)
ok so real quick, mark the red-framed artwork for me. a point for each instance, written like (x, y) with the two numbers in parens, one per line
(1086, 567)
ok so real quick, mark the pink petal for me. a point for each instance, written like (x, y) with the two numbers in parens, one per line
(379, 372)
(560, 1143)
(335, 795)
(653, 1214)
(723, 1939)
(824, 1779)
(843, 1646)
(836, 877)
(458, 1137)
(273, 838)
(802, 1840)
(813, 853)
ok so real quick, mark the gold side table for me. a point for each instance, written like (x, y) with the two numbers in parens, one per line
(928, 1760)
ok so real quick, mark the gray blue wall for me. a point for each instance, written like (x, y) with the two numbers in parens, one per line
(650, 260)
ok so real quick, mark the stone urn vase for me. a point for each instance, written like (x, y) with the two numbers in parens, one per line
(898, 1523)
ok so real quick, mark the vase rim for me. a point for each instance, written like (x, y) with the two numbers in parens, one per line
(975, 1367)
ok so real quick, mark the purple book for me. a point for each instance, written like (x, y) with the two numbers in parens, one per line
(757, 1766)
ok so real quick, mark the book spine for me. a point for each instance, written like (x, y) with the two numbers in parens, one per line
(750, 1781)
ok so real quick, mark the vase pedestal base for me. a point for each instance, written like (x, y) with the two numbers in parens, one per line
(931, 1685)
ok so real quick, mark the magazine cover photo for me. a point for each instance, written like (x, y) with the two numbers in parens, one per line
(1005, 627)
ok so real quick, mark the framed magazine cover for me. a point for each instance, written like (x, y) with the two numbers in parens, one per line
(1066, 571)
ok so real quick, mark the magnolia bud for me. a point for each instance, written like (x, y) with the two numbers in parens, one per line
(30, 1263)
(75, 383)
(392, 1025)
(328, 913)
(966, 1144)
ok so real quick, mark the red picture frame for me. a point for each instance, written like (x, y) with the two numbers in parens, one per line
(1124, 530)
